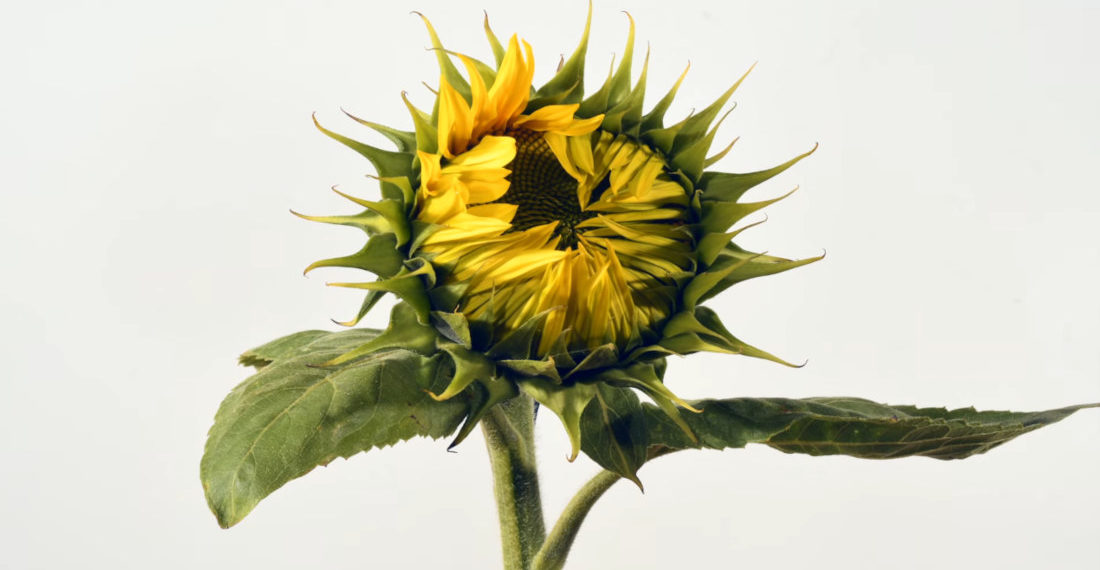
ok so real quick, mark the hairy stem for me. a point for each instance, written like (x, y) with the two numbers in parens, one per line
(510, 436)
(554, 551)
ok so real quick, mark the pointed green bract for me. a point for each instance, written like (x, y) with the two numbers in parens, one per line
(626, 116)
(693, 157)
(494, 43)
(453, 327)
(568, 402)
(386, 162)
(427, 136)
(729, 187)
(483, 395)
(620, 82)
(469, 367)
(407, 285)
(368, 303)
(567, 86)
(744, 265)
(379, 256)
(647, 378)
(446, 67)
(405, 331)
(655, 118)
(597, 102)
(403, 140)
(720, 216)
(698, 124)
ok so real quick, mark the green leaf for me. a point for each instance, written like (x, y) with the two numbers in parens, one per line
(846, 426)
(613, 431)
(295, 415)
(300, 342)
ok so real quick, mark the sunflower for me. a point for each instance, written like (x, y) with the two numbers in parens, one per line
(550, 242)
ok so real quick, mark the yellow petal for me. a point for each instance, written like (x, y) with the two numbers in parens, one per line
(512, 87)
(456, 121)
(491, 152)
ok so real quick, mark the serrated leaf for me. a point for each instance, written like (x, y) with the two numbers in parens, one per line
(295, 415)
(302, 342)
(267, 353)
(847, 426)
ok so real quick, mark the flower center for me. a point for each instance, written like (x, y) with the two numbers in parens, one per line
(543, 191)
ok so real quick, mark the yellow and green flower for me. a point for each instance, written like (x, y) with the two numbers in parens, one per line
(548, 241)
(545, 246)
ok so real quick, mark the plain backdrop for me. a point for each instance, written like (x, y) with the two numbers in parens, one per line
(151, 152)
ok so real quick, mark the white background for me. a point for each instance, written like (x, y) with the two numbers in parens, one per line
(151, 151)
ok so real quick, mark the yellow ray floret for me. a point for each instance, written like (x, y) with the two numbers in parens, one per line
(499, 108)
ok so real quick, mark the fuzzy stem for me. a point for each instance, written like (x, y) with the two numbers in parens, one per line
(554, 551)
(510, 436)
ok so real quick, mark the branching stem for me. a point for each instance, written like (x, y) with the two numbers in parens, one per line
(554, 551)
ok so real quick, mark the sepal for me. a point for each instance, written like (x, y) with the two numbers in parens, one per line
(701, 330)
(735, 265)
(405, 331)
(567, 402)
(484, 394)
(729, 187)
(408, 284)
(567, 85)
(469, 367)
(720, 216)
(447, 67)
(403, 140)
(379, 256)
(387, 162)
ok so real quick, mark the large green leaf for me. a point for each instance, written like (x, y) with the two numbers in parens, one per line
(845, 426)
(295, 414)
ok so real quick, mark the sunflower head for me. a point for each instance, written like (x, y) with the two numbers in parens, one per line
(548, 241)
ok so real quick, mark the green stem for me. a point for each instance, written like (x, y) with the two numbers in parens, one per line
(510, 436)
(554, 551)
